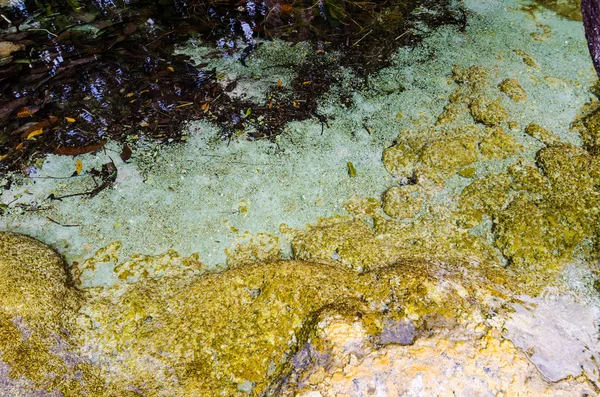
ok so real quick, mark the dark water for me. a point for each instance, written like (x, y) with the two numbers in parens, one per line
(74, 75)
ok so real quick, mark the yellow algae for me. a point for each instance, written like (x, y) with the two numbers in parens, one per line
(450, 152)
(349, 242)
(222, 332)
(468, 172)
(402, 201)
(400, 159)
(487, 111)
(497, 144)
(591, 133)
(358, 206)
(540, 216)
(545, 34)
(486, 195)
(476, 76)
(37, 317)
(541, 134)
(513, 89)
(441, 154)
(570, 9)
(248, 249)
(527, 59)
(473, 82)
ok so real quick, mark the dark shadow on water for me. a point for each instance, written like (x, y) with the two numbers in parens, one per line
(74, 75)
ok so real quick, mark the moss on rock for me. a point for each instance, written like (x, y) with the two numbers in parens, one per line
(541, 134)
(487, 111)
(513, 89)
(402, 201)
(497, 144)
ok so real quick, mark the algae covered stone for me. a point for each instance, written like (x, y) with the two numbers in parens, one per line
(34, 283)
(513, 89)
(440, 155)
(541, 134)
(497, 144)
(591, 134)
(402, 201)
(487, 111)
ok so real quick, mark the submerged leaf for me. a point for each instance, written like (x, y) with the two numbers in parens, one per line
(351, 170)
(35, 133)
(74, 151)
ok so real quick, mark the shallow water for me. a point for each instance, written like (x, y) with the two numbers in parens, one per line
(458, 165)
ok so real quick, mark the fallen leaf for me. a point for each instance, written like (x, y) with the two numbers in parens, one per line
(205, 107)
(75, 150)
(125, 153)
(279, 83)
(34, 133)
(7, 48)
(78, 167)
(351, 170)
(306, 83)
(171, 69)
(27, 111)
(19, 146)
(70, 119)
(34, 128)
(3, 157)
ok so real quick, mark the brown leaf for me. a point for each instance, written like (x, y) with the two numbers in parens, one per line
(27, 111)
(7, 108)
(75, 150)
(34, 128)
(125, 153)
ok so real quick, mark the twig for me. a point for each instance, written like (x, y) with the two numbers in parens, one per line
(359, 40)
(44, 30)
(58, 223)
(402, 35)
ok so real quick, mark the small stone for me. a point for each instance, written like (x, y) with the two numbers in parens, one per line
(467, 172)
(542, 134)
(246, 386)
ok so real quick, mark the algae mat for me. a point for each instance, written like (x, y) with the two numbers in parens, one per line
(245, 330)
